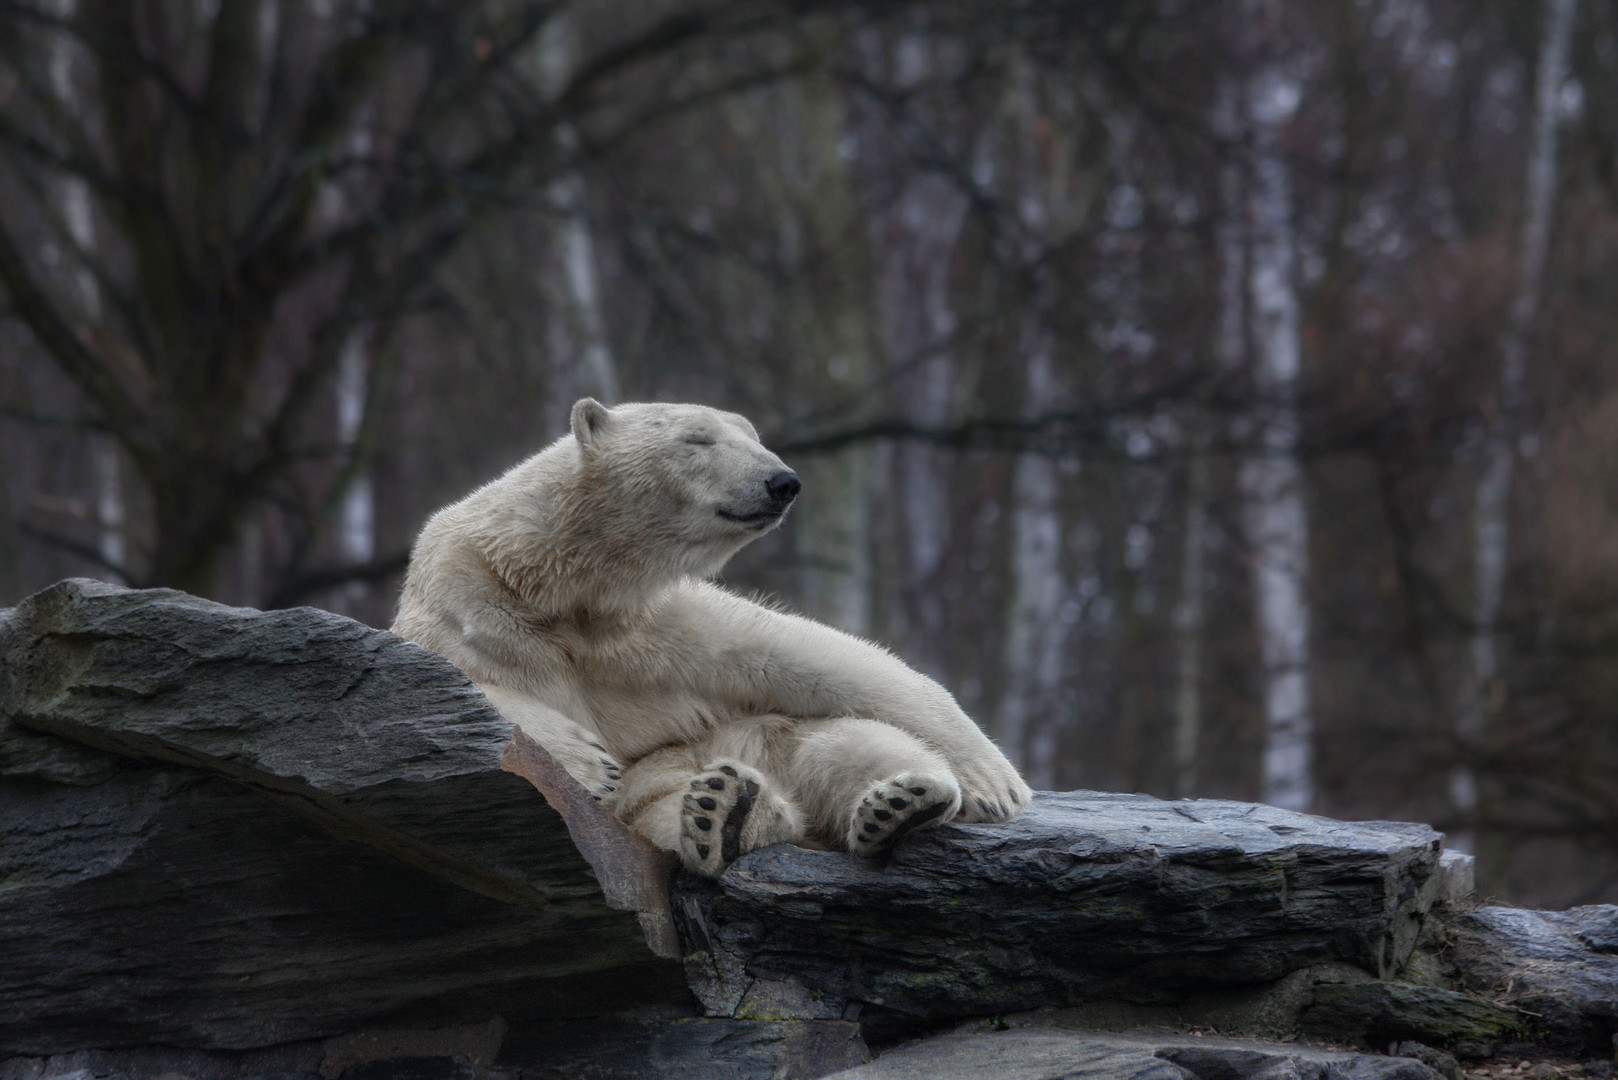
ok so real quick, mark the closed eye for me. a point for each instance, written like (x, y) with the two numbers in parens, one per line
(698, 440)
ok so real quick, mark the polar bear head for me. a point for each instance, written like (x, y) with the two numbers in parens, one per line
(684, 486)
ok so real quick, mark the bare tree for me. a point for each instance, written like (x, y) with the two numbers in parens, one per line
(1272, 480)
(1491, 520)
(209, 148)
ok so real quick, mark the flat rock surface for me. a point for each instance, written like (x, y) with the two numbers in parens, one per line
(613, 1048)
(1084, 895)
(695, 1048)
(1040, 1055)
(230, 828)
(1559, 967)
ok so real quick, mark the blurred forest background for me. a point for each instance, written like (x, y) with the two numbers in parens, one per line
(1217, 395)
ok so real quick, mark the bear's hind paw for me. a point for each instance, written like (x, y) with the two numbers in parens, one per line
(715, 812)
(898, 807)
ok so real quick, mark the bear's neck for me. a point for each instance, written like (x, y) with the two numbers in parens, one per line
(587, 583)
(578, 561)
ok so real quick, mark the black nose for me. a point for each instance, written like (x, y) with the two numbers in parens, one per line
(783, 487)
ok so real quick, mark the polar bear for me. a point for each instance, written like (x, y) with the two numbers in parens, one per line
(573, 591)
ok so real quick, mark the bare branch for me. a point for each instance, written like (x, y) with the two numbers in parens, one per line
(37, 310)
(292, 590)
(87, 552)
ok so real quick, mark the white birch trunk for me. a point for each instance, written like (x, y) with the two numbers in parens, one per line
(913, 285)
(1033, 659)
(810, 190)
(1189, 619)
(832, 534)
(1034, 648)
(1274, 507)
(356, 513)
(1491, 520)
(1230, 352)
(356, 528)
(594, 371)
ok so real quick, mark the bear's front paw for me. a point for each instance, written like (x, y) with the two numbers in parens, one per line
(588, 762)
(898, 807)
(991, 790)
(729, 811)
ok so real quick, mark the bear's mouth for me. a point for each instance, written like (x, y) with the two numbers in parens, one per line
(753, 521)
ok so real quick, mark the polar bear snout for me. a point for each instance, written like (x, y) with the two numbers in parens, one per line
(764, 504)
(781, 489)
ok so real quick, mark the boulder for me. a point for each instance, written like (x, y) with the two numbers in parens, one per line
(1085, 895)
(1376, 1013)
(231, 828)
(1560, 968)
(253, 844)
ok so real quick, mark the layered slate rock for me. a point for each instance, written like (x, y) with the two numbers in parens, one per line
(1377, 1013)
(631, 1047)
(1560, 968)
(1084, 896)
(236, 843)
(1049, 1055)
(230, 828)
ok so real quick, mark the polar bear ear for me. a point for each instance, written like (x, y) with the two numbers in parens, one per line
(590, 419)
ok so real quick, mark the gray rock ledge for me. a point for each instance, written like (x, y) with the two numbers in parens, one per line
(1049, 1055)
(1559, 968)
(238, 843)
(1083, 896)
(231, 828)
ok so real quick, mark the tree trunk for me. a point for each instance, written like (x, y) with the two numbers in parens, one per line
(1271, 479)
(595, 368)
(1477, 718)
(832, 534)
(81, 229)
(1189, 617)
(189, 533)
(1230, 354)
(356, 511)
(356, 525)
(915, 239)
(1034, 657)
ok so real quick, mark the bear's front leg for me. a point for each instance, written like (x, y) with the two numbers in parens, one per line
(729, 810)
(991, 789)
(575, 747)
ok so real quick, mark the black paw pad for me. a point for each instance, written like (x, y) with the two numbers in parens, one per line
(898, 804)
(884, 815)
(731, 835)
(706, 803)
(704, 824)
(918, 791)
(752, 787)
(871, 826)
(702, 851)
(716, 783)
(727, 770)
(918, 819)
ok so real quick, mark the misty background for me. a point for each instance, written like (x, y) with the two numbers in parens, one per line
(1217, 396)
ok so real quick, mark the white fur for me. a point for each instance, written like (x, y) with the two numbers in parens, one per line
(571, 591)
